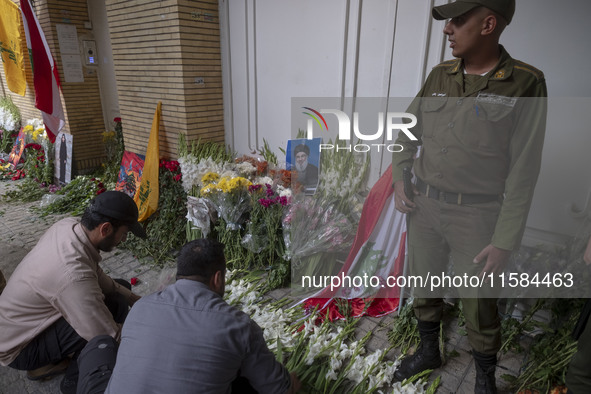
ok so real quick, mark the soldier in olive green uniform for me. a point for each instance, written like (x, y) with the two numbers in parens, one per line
(481, 121)
(578, 376)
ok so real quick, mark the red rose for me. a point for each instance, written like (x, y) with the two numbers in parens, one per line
(133, 281)
(117, 120)
(34, 146)
(177, 177)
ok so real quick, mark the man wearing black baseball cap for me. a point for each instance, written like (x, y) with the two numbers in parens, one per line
(58, 298)
(481, 122)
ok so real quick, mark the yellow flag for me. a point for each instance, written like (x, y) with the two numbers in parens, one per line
(146, 197)
(10, 47)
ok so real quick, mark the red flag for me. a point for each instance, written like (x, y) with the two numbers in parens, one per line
(45, 75)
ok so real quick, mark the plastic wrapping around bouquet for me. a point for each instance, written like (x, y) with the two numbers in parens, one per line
(317, 236)
(49, 199)
(232, 207)
(200, 214)
(253, 243)
(314, 226)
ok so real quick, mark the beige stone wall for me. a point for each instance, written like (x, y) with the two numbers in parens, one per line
(160, 49)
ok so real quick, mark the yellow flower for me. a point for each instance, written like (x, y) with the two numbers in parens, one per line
(224, 184)
(210, 177)
(207, 189)
(108, 136)
(239, 183)
(28, 128)
(37, 133)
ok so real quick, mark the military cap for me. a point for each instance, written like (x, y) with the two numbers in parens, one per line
(505, 8)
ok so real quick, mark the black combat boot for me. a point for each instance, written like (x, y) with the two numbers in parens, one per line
(426, 356)
(485, 373)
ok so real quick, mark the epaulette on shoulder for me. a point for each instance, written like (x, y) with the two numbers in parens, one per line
(529, 68)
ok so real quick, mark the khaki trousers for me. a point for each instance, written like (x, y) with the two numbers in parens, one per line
(578, 376)
(439, 231)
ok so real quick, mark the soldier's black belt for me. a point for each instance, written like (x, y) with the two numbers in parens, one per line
(453, 198)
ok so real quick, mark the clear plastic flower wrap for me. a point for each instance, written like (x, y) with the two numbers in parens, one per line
(314, 225)
(264, 227)
(231, 200)
(199, 214)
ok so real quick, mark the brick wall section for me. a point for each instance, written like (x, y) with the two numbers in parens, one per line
(200, 38)
(81, 101)
(159, 48)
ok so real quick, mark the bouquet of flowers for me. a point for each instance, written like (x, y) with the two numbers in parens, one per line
(263, 230)
(316, 225)
(198, 217)
(230, 198)
(10, 123)
(317, 236)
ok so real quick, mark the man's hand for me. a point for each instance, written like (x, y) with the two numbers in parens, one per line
(587, 255)
(296, 385)
(496, 259)
(402, 203)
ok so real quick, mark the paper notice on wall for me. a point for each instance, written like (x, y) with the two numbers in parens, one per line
(72, 67)
(68, 39)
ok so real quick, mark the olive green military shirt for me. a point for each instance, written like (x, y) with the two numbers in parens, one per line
(480, 135)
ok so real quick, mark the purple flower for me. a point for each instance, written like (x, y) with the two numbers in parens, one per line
(265, 202)
(254, 188)
(270, 191)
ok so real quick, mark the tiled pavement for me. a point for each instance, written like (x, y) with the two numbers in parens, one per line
(21, 228)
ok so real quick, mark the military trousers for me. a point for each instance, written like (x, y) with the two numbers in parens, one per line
(440, 232)
(578, 376)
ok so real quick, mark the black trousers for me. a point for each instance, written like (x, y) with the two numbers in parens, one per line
(60, 340)
(97, 361)
(95, 364)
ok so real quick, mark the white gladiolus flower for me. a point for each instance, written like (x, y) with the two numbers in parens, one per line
(417, 388)
(335, 364)
(324, 343)
(331, 375)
